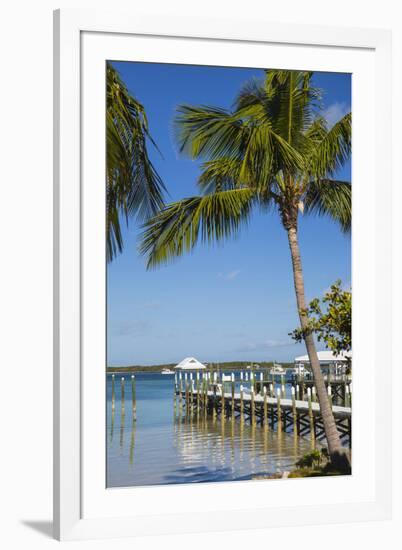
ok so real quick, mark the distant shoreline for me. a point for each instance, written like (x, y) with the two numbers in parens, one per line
(229, 365)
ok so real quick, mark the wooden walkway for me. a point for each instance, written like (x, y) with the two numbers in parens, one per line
(276, 413)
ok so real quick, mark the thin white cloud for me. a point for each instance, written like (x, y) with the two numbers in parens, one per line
(229, 276)
(335, 112)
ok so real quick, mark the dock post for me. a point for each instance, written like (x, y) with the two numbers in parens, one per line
(133, 397)
(122, 393)
(279, 411)
(265, 408)
(314, 394)
(241, 404)
(223, 400)
(192, 396)
(252, 407)
(294, 411)
(198, 393)
(205, 396)
(310, 414)
(233, 398)
(214, 403)
(271, 390)
(282, 385)
(347, 396)
(187, 395)
(113, 394)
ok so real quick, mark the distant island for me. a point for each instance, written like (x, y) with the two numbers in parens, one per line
(227, 365)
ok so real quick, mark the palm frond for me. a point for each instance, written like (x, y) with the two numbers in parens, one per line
(332, 198)
(333, 149)
(292, 98)
(213, 133)
(134, 187)
(220, 174)
(182, 224)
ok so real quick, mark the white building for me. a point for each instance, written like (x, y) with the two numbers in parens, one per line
(190, 363)
(329, 362)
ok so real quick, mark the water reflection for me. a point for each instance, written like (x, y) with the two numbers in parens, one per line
(165, 445)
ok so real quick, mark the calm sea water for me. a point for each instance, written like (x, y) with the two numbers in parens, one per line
(162, 448)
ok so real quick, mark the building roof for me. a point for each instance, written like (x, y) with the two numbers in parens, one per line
(326, 357)
(190, 363)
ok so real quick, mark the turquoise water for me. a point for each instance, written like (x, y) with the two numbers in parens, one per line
(162, 447)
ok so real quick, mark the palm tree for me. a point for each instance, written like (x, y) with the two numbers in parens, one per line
(272, 151)
(133, 185)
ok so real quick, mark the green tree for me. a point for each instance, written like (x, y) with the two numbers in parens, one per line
(331, 320)
(134, 188)
(272, 151)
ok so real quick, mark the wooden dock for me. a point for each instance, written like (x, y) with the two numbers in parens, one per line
(273, 412)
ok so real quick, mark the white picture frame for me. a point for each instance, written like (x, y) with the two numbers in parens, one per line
(83, 507)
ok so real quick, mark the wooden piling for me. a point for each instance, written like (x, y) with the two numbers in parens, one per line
(133, 397)
(279, 412)
(214, 404)
(122, 393)
(191, 395)
(265, 407)
(294, 412)
(223, 400)
(241, 404)
(314, 394)
(205, 397)
(113, 394)
(197, 389)
(310, 413)
(252, 407)
(187, 394)
(347, 396)
(282, 385)
(233, 399)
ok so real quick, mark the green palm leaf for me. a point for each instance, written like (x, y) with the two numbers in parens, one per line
(134, 188)
(333, 149)
(332, 198)
(210, 218)
(209, 132)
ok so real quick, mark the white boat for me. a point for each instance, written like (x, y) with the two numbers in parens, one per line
(167, 371)
(277, 369)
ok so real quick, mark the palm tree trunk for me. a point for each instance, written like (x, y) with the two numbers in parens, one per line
(335, 448)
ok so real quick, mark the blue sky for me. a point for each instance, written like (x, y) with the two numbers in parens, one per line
(227, 302)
